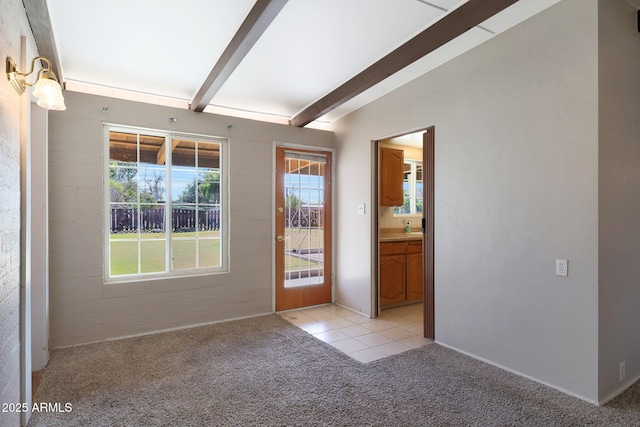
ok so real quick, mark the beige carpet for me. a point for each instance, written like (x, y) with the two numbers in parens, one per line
(266, 372)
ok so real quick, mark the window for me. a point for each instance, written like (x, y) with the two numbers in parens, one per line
(166, 204)
(412, 187)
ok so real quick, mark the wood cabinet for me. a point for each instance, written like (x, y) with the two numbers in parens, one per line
(391, 177)
(401, 272)
(392, 280)
(415, 274)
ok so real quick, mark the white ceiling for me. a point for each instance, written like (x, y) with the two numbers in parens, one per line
(162, 50)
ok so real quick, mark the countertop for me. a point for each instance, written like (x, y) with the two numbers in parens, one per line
(398, 236)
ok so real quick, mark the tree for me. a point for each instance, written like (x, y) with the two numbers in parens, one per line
(123, 186)
(120, 173)
(154, 184)
(189, 193)
(208, 189)
(291, 200)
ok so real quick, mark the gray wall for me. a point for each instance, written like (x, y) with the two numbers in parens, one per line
(83, 308)
(516, 186)
(619, 197)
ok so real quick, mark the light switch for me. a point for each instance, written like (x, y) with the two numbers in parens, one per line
(360, 208)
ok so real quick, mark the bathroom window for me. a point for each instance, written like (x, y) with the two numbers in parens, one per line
(412, 187)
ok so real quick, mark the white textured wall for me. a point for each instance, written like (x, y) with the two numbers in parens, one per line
(619, 201)
(516, 131)
(13, 26)
(39, 240)
(83, 309)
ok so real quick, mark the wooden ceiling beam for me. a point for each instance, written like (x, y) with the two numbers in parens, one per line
(452, 25)
(259, 18)
(38, 16)
(161, 157)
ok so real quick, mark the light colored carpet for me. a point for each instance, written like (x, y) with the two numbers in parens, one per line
(266, 372)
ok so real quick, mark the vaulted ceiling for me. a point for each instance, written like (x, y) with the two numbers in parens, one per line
(286, 61)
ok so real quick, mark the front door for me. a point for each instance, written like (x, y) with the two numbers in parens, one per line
(303, 228)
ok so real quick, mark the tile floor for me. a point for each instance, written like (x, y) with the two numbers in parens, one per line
(396, 330)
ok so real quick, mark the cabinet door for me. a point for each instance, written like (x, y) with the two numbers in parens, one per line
(391, 177)
(392, 248)
(414, 246)
(415, 276)
(392, 283)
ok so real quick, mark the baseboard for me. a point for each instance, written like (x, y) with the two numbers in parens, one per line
(520, 374)
(618, 392)
(160, 331)
(352, 310)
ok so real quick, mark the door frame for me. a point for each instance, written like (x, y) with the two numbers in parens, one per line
(428, 241)
(275, 145)
(428, 252)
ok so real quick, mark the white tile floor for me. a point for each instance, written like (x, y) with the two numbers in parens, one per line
(395, 331)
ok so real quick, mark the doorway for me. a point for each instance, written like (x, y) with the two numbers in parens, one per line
(303, 228)
(405, 223)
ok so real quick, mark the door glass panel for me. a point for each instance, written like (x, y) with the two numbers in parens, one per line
(304, 220)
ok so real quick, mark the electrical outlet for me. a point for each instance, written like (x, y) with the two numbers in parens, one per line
(623, 374)
(361, 208)
(562, 267)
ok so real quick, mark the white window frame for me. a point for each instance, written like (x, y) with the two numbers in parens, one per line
(224, 206)
(412, 188)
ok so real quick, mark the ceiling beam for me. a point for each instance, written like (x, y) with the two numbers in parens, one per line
(161, 157)
(259, 18)
(38, 16)
(452, 25)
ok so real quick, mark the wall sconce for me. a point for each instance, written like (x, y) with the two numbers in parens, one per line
(46, 87)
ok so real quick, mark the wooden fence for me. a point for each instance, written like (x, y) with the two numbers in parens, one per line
(151, 220)
(128, 220)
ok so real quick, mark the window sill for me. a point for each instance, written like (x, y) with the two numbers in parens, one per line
(184, 274)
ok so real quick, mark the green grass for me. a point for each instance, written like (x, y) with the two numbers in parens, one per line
(124, 252)
(293, 263)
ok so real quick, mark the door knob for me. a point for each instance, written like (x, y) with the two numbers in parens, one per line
(280, 239)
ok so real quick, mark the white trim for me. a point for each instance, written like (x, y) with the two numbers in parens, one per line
(24, 289)
(169, 273)
(618, 392)
(39, 239)
(520, 374)
(161, 331)
(225, 205)
(106, 253)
